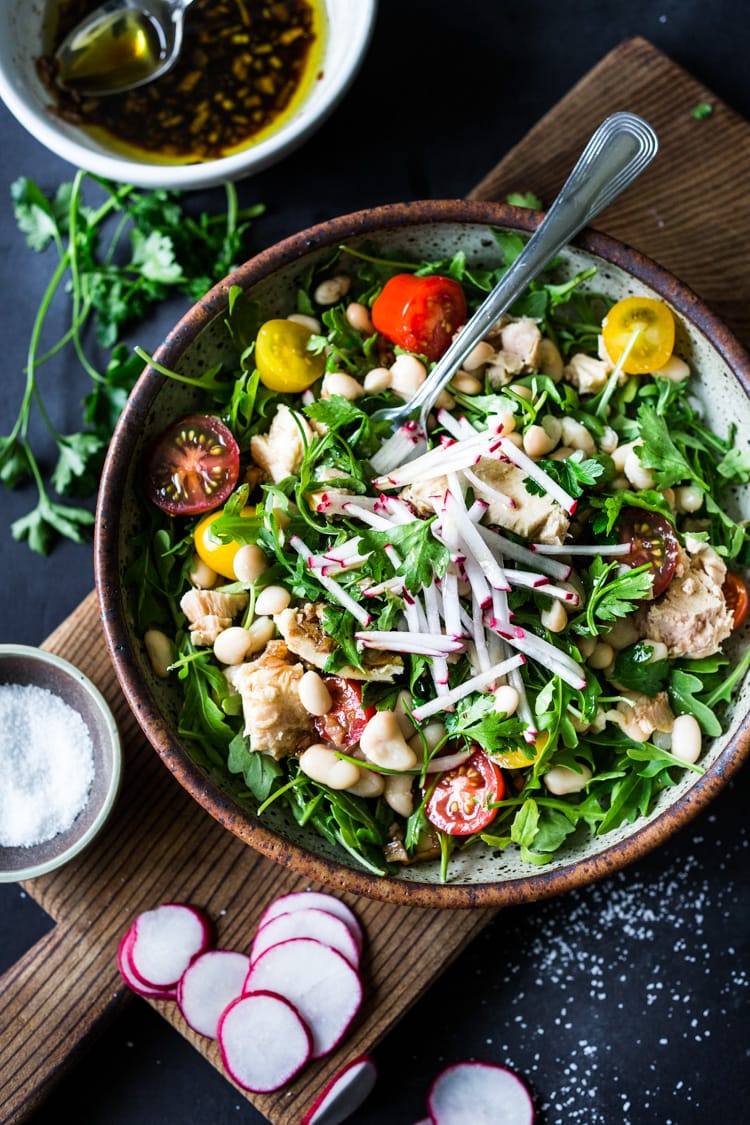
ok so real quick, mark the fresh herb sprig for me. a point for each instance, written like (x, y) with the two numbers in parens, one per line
(118, 258)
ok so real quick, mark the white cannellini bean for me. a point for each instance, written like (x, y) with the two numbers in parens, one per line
(432, 735)
(537, 442)
(575, 434)
(609, 440)
(249, 563)
(321, 764)
(675, 369)
(407, 375)
(506, 699)
(638, 475)
(261, 631)
(404, 704)
(554, 617)
(586, 646)
(552, 427)
(624, 632)
(201, 574)
(310, 322)
(379, 379)
(562, 453)
(522, 391)
(466, 384)
(339, 383)
(602, 656)
(160, 651)
(504, 422)
(359, 317)
(686, 739)
(271, 600)
(659, 651)
(383, 744)
(561, 779)
(550, 362)
(480, 354)
(515, 438)
(687, 498)
(331, 290)
(621, 453)
(370, 784)
(398, 793)
(232, 645)
(445, 401)
(314, 695)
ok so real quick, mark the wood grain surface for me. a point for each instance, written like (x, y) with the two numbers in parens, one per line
(159, 844)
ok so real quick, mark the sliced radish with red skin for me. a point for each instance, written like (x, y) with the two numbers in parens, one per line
(318, 981)
(166, 941)
(315, 900)
(128, 975)
(263, 1040)
(208, 986)
(312, 923)
(480, 1092)
(345, 1092)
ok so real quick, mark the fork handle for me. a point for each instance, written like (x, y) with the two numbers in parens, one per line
(618, 151)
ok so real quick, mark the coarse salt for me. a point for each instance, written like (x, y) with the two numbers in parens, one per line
(46, 765)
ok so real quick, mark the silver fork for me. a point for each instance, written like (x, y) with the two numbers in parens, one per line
(618, 151)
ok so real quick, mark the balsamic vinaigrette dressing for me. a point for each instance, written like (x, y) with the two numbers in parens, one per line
(244, 67)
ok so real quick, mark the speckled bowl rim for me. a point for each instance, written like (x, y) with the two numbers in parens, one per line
(41, 656)
(539, 883)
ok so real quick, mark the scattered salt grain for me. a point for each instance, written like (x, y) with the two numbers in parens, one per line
(46, 765)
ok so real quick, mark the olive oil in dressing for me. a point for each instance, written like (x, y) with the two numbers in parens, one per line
(123, 47)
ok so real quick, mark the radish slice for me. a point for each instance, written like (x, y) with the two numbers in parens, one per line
(344, 1093)
(166, 941)
(208, 985)
(128, 975)
(318, 981)
(264, 1041)
(312, 923)
(480, 1092)
(315, 900)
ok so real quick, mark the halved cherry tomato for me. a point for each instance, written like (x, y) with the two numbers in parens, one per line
(736, 597)
(219, 556)
(192, 466)
(645, 322)
(420, 314)
(281, 356)
(459, 802)
(344, 724)
(652, 541)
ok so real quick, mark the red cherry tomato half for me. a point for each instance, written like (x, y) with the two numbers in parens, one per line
(736, 597)
(420, 314)
(459, 803)
(192, 466)
(344, 724)
(652, 541)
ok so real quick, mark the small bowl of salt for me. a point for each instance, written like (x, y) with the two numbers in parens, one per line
(60, 762)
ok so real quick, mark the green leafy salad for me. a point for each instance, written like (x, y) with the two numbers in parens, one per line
(501, 633)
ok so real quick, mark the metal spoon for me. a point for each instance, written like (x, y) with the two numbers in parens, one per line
(618, 151)
(121, 45)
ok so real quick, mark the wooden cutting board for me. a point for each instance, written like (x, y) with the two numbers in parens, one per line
(159, 844)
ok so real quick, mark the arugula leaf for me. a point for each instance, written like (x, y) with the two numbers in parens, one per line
(611, 506)
(683, 688)
(635, 670)
(524, 199)
(261, 772)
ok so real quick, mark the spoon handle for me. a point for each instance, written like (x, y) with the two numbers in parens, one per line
(618, 151)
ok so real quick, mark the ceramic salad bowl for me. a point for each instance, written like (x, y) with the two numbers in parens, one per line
(479, 875)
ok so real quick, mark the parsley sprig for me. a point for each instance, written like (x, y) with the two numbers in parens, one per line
(119, 258)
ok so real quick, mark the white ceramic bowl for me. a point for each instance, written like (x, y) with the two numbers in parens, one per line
(433, 230)
(22, 41)
(25, 665)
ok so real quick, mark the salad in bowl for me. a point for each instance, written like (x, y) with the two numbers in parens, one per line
(507, 646)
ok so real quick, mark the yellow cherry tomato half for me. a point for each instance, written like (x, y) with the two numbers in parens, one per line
(219, 556)
(281, 356)
(523, 757)
(644, 328)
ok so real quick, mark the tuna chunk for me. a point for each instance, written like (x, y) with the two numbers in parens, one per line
(692, 618)
(301, 628)
(275, 720)
(641, 715)
(587, 374)
(522, 338)
(280, 452)
(209, 613)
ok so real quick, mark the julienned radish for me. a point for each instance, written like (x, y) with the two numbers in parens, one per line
(318, 981)
(479, 1092)
(208, 986)
(263, 1040)
(165, 942)
(128, 974)
(312, 923)
(314, 900)
(345, 1093)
